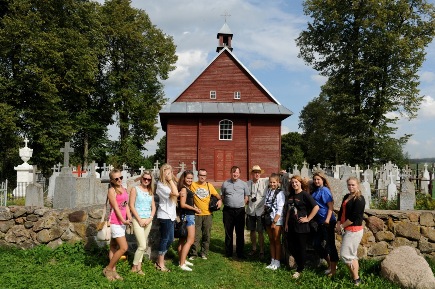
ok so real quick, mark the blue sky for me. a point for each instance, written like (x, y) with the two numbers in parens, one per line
(264, 41)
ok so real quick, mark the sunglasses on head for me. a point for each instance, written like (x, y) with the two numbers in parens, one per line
(118, 179)
(147, 179)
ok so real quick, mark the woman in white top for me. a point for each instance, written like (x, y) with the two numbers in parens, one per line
(143, 209)
(166, 212)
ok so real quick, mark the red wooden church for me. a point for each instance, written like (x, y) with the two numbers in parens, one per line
(225, 117)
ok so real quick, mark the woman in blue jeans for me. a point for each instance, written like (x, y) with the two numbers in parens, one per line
(324, 240)
(188, 211)
(166, 212)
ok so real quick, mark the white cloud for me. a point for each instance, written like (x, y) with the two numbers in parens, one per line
(189, 65)
(427, 76)
(427, 109)
(319, 79)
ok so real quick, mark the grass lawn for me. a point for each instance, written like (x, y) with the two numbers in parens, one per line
(70, 266)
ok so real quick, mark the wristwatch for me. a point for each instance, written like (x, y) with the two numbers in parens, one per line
(274, 222)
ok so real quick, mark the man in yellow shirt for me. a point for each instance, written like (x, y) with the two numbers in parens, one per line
(203, 221)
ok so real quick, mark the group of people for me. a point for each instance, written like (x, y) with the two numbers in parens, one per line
(261, 203)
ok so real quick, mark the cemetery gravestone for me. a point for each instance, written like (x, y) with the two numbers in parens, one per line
(407, 195)
(296, 172)
(304, 170)
(34, 192)
(65, 183)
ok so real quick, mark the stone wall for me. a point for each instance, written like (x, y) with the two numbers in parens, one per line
(25, 227)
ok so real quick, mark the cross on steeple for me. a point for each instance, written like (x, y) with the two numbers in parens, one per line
(226, 15)
(66, 151)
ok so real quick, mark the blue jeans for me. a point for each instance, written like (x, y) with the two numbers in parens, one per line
(166, 235)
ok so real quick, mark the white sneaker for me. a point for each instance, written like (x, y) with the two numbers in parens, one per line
(296, 275)
(204, 257)
(271, 265)
(277, 264)
(185, 268)
(191, 258)
(188, 263)
(327, 271)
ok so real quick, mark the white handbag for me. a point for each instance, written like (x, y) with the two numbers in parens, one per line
(103, 227)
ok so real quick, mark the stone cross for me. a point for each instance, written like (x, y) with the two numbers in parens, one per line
(94, 166)
(183, 166)
(391, 176)
(125, 167)
(357, 172)
(34, 174)
(54, 168)
(304, 163)
(141, 169)
(193, 166)
(25, 142)
(66, 151)
(156, 164)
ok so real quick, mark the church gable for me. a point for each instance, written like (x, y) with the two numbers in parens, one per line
(226, 80)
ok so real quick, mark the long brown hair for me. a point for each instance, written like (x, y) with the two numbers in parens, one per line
(323, 177)
(181, 184)
(304, 184)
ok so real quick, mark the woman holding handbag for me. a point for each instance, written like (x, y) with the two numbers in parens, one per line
(143, 209)
(188, 211)
(301, 209)
(119, 218)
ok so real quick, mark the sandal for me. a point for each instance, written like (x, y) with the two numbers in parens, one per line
(140, 272)
(117, 276)
(163, 269)
(109, 274)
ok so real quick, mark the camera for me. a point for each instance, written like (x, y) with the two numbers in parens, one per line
(254, 199)
(267, 210)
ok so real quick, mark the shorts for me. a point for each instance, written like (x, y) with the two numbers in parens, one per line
(117, 230)
(190, 220)
(349, 245)
(253, 223)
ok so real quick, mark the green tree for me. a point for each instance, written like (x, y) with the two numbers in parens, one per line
(292, 150)
(322, 142)
(160, 154)
(371, 52)
(139, 57)
(49, 53)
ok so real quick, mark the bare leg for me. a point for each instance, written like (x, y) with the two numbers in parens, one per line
(353, 268)
(254, 240)
(261, 241)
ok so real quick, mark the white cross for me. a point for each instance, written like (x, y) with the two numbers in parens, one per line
(66, 150)
(25, 142)
(141, 169)
(156, 164)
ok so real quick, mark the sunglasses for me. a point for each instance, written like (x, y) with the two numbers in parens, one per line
(118, 179)
(147, 179)
(202, 175)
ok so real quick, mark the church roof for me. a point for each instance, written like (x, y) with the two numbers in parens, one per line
(225, 30)
(259, 108)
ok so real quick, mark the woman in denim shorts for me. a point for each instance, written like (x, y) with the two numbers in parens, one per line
(188, 211)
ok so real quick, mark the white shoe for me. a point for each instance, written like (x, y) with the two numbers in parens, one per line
(271, 265)
(277, 264)
(191, 258)
(296, 275)
(204, 257)
(188, 263)
(185, 268)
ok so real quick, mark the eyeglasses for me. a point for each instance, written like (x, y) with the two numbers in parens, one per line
(119, 179)
(147, 179)
(202, 175)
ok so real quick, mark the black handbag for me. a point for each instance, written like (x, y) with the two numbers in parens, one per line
(212, 207)
(180, 229)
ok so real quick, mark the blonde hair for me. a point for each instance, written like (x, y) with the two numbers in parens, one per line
(358, 191)
(112, 172)
(150, 186)
(164, 181)
(162, 178)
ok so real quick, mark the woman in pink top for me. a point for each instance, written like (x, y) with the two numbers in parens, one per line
(120, 217)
